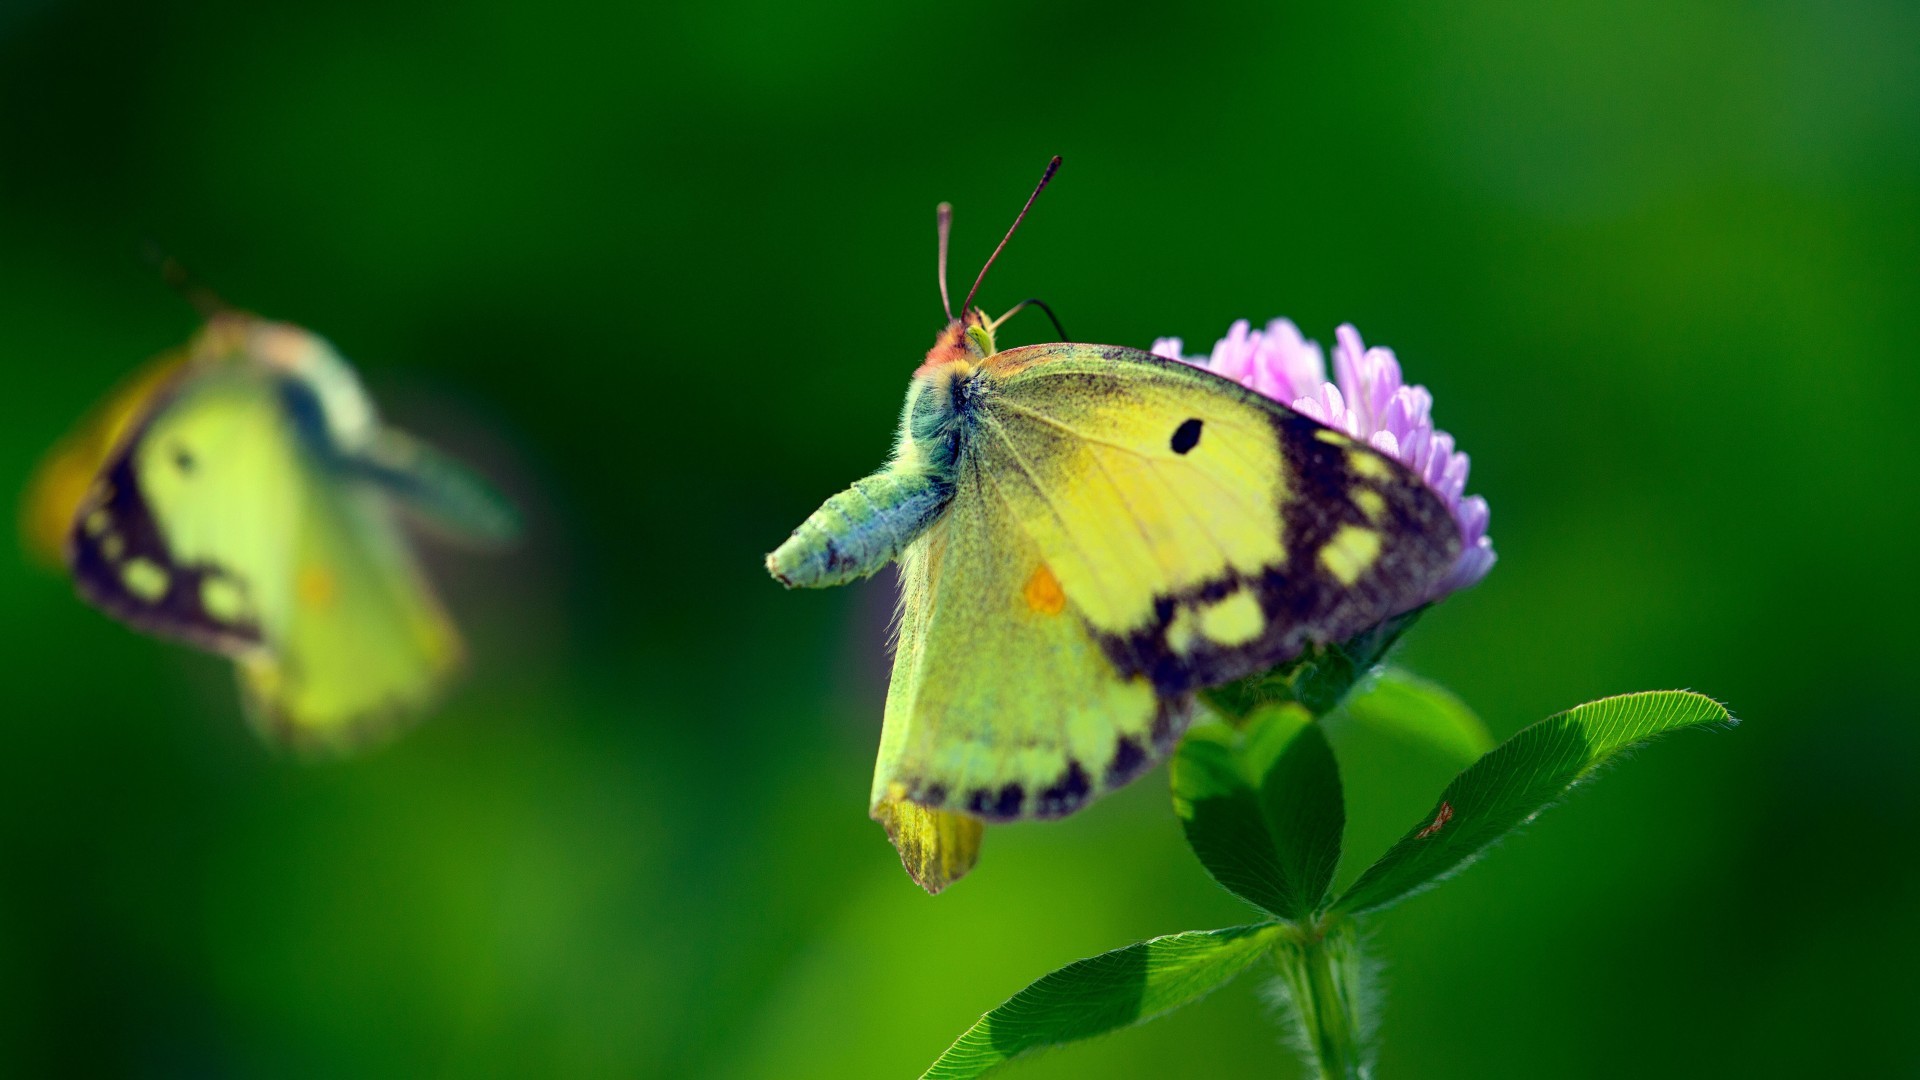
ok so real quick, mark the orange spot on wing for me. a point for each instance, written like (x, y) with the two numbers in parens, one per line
(316, 587)
(1043, 592)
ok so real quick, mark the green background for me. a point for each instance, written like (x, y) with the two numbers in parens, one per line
(665, 272)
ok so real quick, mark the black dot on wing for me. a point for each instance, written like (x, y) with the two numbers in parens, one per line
(1186, 436)
(182, 459)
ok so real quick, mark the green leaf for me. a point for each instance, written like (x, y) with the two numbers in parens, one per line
(1407, 708)
(1517, 780)
(1105, 993)
(1318, 678)
(1262, 808)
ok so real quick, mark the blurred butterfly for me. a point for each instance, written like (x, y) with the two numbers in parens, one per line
(240, 495)
(1087, 535)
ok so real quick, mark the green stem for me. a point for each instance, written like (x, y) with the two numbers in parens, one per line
(1321, 968)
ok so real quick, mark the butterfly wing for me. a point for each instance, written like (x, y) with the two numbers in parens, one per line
(1205, 532)
(364, 645)
(185, 528)
(60, 483)
(438, 491)
(221, 521)
(1001, 703)
(1125, 531)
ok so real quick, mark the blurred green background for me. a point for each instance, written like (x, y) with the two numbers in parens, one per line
(665, 272)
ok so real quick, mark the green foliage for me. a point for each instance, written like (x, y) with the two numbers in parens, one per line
(1104, 993)
(1518, 779)
(1319, 678)
(1262, 808)
(1261, 803)
(1407, 708)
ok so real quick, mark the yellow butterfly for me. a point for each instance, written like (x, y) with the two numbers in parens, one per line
(1088, 535)
(240, 495)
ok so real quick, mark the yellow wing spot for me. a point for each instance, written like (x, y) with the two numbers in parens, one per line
(1370, 502)
(316, 587)
(1350, 552)
(97, 522)
(1182, 630)
(1235, 620)
(144, 578)
(1328, 435)
(1367, 465)
(1043, 592)
(113, 546)
(223, 599)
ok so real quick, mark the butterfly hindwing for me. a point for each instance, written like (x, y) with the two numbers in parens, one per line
(1002, 704)
(1126, 531)
(363, 644)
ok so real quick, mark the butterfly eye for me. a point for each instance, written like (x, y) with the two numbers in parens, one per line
(182, 459)
(1186, 436)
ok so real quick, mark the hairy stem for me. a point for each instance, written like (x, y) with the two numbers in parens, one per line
(1324, 980)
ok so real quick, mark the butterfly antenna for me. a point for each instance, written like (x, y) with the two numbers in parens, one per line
(1052, 167)
(181, 280)
(943, 217)
(1034, 302)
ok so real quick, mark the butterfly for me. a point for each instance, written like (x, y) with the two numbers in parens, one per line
(1087, 535)
(242, 496)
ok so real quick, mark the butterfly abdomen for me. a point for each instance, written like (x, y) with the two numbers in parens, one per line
(862, 529)
(867, 526)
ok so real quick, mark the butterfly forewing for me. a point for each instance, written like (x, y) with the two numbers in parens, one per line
(1265, 529)
(160, 542)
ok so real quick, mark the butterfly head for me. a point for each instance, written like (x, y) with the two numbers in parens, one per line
(968, 339)
(944, 390)
(318, 381)
(965, 341)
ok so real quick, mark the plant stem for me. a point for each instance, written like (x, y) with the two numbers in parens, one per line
(1321, 969)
